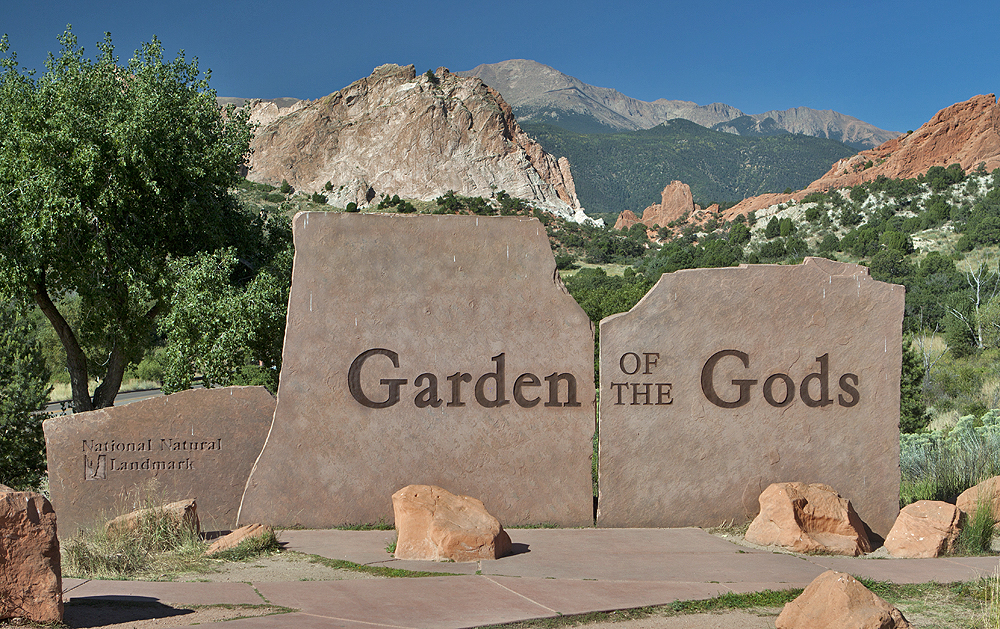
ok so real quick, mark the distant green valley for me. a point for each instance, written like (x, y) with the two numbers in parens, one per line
(628, 170)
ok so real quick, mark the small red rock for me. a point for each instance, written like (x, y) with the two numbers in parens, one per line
(926, 528)
(835, 600)
(30, 572)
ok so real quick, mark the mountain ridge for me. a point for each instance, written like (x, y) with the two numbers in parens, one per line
(539, 93)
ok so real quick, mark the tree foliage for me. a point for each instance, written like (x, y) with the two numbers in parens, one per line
(109, 174)
(24, 388)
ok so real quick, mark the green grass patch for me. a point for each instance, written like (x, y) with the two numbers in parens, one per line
(377, 571)
(381, 525)
(251, 548)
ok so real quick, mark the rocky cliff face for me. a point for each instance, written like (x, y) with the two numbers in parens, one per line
(398, 133)
(967, 133)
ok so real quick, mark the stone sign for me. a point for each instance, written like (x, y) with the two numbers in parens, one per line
(723, 381)
(198, 444)
(431, 350)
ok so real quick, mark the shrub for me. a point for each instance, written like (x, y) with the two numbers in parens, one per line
(319, 198)
(286, 187)
(352, 207)
(24, 388)
(328, 186)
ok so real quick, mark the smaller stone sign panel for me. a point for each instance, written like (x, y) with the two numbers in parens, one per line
(720, 382)
(199, 444)
(428, 350)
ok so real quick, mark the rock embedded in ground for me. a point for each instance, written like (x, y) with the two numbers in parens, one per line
(183, 513)
(987, 492)
(30, 573)
(234, 539)
(926, 528)
(808, 518)
(435, 524)
(835, 600)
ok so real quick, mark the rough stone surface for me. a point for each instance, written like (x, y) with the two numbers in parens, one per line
(455, 299)
(234, 539)
(808, 518)
(435, 524)
(198, 444)
(676, 458)
(182, 514)
(988, 491)
(926, 528)
(395, 132)
(30, 573)
(836, 600)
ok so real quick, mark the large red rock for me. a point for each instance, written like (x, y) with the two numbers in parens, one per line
(808, 518)
(926, 528)
(987, 491)
(30, 573)
(966, 133)
(835, 600)
(435, 524)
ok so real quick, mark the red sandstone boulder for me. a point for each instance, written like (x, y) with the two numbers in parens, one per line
(926, 528)
(30, 573)
(987, 491)
(182, 513)
(234, 539)
(808, 518)
(435, 524)
(835, 600)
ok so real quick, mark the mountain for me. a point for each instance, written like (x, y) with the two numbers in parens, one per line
(624, 170)
(397, 133)
(538, 93)
(966, 133)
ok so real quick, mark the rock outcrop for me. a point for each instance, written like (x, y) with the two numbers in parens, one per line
(967, 133)
(397, 133)
(183, 513)
(987, 492)
(237, 537)
(926, 528)
(435, 524)
(676, 202)
(30, 573)
(808, 518)
(836, 600)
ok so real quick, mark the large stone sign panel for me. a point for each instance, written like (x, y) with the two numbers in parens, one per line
(428, 350)
(197, 444)
(723, 381)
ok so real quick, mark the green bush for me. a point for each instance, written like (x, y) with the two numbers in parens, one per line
(285, 187)
(24, 389)
(319, 198)
(352, 207)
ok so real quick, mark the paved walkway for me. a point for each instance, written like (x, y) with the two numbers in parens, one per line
(553, 572)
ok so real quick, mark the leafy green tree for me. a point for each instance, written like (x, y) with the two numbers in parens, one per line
(913, 415)
(24, 388)
(107, 174)
(773, 229)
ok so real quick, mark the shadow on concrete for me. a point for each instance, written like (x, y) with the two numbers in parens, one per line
(99, 611)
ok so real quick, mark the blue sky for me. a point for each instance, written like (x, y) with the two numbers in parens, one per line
(893, 64)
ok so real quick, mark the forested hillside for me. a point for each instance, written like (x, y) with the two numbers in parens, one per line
(627, 170)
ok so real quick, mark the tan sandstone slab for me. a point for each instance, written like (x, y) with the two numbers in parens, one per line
(720, 382)
(198, 444)
(432, 350)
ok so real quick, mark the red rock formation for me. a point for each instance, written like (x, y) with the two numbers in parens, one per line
(924, 529)
(967, 133)
(836, 599)
(626, 220)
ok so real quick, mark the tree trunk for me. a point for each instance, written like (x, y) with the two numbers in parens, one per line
(76, 360)
(108, 389)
